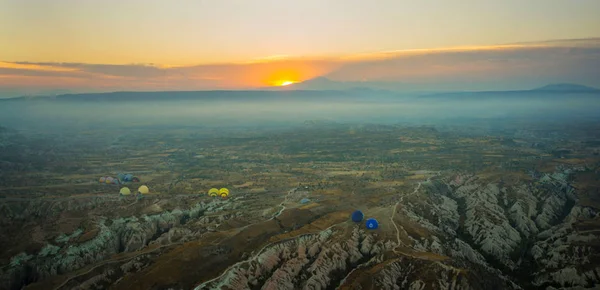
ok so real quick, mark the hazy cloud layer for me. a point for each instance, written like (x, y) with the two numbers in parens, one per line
(509, 67)
(493, 67)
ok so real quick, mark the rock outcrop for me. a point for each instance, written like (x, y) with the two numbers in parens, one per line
(567, 257)
(114, 236)
(315, 261)
(524, 231)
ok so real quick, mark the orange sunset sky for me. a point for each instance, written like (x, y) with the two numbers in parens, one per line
(74, 45)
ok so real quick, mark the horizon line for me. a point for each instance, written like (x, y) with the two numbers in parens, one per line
(281, 89)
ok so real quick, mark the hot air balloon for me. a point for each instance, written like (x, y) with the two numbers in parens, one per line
(213, 192)
(135, 179)
(109, 180)
(125, 191)
(128, 178)
(102, 179)
(116, 181)
(357, 216)
(372, 224)
(121, 176)
(224, 192)
(305, 201)
(143, 189)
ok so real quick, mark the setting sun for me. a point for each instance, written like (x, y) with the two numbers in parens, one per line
(286, 83)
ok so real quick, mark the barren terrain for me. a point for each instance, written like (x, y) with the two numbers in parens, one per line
(511, 206)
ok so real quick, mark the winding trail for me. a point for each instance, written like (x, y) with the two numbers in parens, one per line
(279, 212)
(455, 270)
(395, 209)
(282, 204)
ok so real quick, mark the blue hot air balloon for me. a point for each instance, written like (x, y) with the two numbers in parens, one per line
(357, 216)
(128, 178)
(372, 224)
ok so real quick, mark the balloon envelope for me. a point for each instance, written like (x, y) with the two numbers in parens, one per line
(213, 192)
(102, 179)
(109, 180)
(128, 177)
(372, 224)
(125, 191)
(357, 216)
(143, 189)
(224, 192)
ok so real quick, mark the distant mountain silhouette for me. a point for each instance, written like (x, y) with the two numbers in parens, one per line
(207, 96)
(330, 90)
(318, 81)
(567, 88)
(34, 93)
(324, 83)
(546, 92)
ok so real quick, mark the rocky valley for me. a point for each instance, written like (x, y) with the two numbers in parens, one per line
(455, 211)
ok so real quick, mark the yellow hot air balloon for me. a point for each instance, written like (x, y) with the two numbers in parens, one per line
(224, 192)
(125, 191)
(143, 189)
(213, 192)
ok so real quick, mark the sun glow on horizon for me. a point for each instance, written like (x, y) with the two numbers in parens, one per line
(286, 83)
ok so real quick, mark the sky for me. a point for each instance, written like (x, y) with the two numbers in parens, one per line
(236, 44)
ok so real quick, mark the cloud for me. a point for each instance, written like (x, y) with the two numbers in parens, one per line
(510, 66)
(251, 74)
(492, 67)
(568, 43)
(33, 66)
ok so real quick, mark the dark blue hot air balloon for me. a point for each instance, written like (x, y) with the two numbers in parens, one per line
(357, 216)
(372, 224)
(128, 178)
